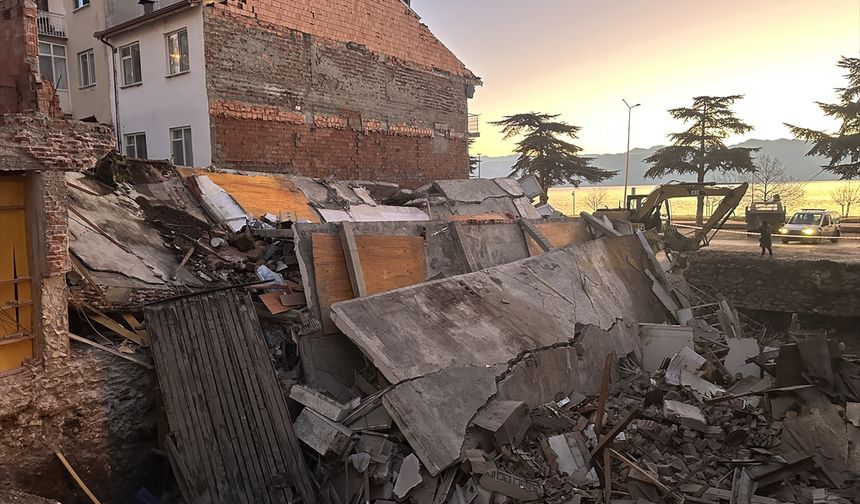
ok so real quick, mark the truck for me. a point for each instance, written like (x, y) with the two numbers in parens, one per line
(772, 212)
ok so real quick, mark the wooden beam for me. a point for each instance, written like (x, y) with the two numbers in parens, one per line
(530, 229)
(77, 478)
(113, 325)
(75, 337)
(457, 233)
(353, 264)
(615, 431)
(604, 391)
(137, 327)
(598, 225)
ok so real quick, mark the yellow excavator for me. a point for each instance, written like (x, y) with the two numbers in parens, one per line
(645, 211)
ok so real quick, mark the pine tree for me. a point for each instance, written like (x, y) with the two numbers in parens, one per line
(842, 148)
(700, 149)
(546, 154)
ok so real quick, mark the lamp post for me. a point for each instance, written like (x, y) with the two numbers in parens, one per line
(573, 208)
(627, 159)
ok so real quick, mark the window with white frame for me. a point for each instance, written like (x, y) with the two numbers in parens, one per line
(130, 61)
(52, 64)
(135, 145)
(177, 52)
(180, 144)
(81, 3)
(87, 68)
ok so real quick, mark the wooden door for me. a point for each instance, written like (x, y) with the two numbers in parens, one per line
(16, 301)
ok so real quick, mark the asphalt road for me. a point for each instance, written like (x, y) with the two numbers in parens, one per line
(845, 250)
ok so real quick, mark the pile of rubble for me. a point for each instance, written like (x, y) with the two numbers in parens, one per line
(469, 354)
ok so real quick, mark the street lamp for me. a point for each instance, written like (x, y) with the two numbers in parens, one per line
(573, 208)
(627, 160)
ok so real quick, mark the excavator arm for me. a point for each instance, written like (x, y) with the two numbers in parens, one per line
(732, 196)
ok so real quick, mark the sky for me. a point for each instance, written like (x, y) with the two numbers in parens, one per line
(579, 58)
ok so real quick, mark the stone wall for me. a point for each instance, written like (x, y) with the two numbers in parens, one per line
(95, 408)
(329, 101)
(819, 287)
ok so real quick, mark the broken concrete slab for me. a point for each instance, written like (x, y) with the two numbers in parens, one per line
(433, 411)
(852, 413)
(690, 415)
(661, 341)
(320, 403)
(321, 434)
(409, 476)
(685, 359)
(571, 457)
(492, 316)
(476, 463)
(508, 421)
(740, 349)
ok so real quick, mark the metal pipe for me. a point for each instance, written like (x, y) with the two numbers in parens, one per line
(117, 128)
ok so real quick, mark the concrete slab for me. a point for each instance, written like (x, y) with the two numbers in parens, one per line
(661, 342)
(321, 434)
(740, 349)
(409, 476)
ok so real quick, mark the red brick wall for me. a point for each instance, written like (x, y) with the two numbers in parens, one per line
(289, 101)
(21, 86)
(384, 26)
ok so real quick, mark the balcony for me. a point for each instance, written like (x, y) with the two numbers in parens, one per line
(474, 125)
(51, 24)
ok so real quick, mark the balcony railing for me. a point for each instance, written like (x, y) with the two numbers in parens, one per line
(51, 24)
(474, 125)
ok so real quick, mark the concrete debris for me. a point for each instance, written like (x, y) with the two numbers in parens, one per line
(321, 404)
(661, 341)
(408, 477)
(508, 421)
(321, 434)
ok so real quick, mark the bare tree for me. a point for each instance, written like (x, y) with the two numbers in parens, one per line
(595, 198)
(846, 195)
(770, 178)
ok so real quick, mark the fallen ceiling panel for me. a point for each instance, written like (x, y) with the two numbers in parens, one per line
(490, 317)
(231, 434)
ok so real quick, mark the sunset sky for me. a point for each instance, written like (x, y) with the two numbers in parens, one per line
(579, 58)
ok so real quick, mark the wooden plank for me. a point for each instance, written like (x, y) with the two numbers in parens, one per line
(274, 301)
(604, 391)
(77, 478)
(560, 234)
(75, 337)
(218, 354)
(13, 355)
(469, 258)
(137, 327)
(97, 316)
(599, 226)
(388, 263)
(261, 194)
(616, 430)
(353, 262)
(230, 418)
(530, 231)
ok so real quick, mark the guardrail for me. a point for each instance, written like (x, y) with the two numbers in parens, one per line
(51, 24)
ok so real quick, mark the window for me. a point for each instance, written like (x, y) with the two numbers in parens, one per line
(135, 145)
(52, 64)
(130, 57)
(180, 142)
(87, 65)
(177, 52)
(81, 3)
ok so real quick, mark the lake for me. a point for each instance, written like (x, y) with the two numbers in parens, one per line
(817, 194)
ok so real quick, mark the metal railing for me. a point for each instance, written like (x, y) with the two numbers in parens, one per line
(51, 24)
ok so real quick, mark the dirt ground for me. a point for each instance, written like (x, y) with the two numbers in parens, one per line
(845, 251)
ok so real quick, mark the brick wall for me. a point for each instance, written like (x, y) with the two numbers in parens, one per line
(21, 86)
(300, 102)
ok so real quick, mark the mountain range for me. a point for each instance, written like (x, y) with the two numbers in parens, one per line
(791, 152)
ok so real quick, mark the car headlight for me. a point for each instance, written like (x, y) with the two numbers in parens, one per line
(809, 231)
(783, 231)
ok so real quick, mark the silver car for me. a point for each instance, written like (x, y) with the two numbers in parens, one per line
(811, 225)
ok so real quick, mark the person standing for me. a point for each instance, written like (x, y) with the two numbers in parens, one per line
(765, 239)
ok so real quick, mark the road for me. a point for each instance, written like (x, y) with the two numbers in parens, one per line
(844, 251)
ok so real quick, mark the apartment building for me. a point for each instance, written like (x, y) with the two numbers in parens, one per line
(356, 89)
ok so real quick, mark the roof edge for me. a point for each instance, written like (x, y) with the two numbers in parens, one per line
(146, 18)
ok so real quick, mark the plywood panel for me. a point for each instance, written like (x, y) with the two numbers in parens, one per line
(261, 194)
(13, 355)
(15, 292)
(388, 262)
(559, 234)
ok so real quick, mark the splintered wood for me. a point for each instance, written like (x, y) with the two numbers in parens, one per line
(387, 262)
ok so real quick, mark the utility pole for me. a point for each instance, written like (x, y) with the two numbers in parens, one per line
(627, 158)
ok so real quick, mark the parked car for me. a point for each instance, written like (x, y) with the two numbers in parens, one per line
(811, 225)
